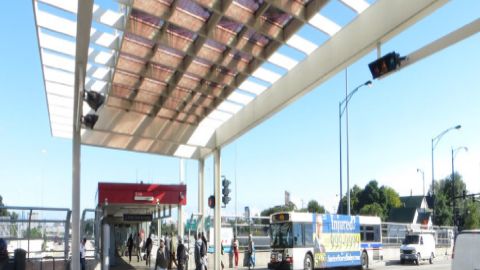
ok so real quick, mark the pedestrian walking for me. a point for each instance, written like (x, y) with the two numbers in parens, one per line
(182, 256)
(130, 247)
(82, 253)
(251, 252)
(235, 250)
(204, 252)
(172, 249)
(161, 263)
(138, 247)
(148, 249)
(198, 252)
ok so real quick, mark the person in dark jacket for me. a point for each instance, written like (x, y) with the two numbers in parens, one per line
(162, 257)
(130, 247)
(182, 256)
(148, 249)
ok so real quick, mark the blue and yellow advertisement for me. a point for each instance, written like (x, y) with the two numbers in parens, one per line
(336, 240)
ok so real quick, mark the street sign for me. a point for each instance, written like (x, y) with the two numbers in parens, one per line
(137, 217)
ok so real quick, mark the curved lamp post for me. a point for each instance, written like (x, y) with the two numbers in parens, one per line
(435, 141)
(342, 110)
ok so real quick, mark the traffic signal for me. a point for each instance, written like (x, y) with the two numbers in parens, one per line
(211, 201)
(464, 194)
(385, 64)
(225, 191)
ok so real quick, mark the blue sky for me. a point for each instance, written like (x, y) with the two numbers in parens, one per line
(391, 125)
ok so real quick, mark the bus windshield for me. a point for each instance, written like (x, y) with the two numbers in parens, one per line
(281, 235)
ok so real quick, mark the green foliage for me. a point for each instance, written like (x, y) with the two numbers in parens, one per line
(373, 209)
(279, 208)
(3, 212)
(444, 196)
(89, 227)
(472, 219)
(315, 207)
(34, 233)
(371, 200)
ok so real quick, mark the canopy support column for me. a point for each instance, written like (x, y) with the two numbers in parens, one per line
(201, 195)
(218, 205)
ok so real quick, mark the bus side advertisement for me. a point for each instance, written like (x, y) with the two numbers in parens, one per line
(336, 240)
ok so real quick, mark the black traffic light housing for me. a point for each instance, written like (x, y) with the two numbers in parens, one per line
(225, 190)
(211, 201)
(385, 64)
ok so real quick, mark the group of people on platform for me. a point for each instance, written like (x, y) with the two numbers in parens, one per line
(172, 252)
(135, 245)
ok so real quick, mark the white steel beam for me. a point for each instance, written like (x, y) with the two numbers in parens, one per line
(379, 23)
(218, 206)
(84, 23)
(201, 195)
(441, 43)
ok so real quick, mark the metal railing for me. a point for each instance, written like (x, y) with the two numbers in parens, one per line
(394, 233)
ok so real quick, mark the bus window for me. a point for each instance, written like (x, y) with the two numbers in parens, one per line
(308, 229)
(297, 235)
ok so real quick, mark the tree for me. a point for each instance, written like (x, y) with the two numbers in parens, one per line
(314, 207)
(371, 200)
(444, 197)
(373, 209)
(472, 218)
(279, 208)
(3, 212)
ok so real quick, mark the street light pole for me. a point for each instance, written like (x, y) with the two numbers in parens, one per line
(435, 141)
(454, 153)
(340, 205)
(423, 179)
(341, 111)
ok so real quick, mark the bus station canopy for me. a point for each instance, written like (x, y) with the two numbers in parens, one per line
(184, 77)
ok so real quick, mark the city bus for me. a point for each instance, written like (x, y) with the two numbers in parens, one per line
(309, 240)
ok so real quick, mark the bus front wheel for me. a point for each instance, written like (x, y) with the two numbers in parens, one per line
(308, 262)
(364, 259)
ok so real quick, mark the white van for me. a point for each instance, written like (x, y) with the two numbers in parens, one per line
(466, 252)
(417, 247)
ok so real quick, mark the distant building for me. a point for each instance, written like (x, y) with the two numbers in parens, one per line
(414, 210)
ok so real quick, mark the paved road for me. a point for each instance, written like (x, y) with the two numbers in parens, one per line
(444, 264)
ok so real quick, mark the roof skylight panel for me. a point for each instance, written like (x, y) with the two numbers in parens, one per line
(61, 120)
(61, 111)
(67, 5)
(100, 73)
(265, 75)
(282, 60)
(58, 76)
(58, 89)
(103, 39)
(220, 115)
(324, 24)
(56, 23)
(57, 61)
(101, 57)
(53, 43)
(229, 107)
(54, 100)
(185, 151)
(240, 97)
(357, 5)
(252, 87)
(201, 135)
(97, 85)
(302, 44)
